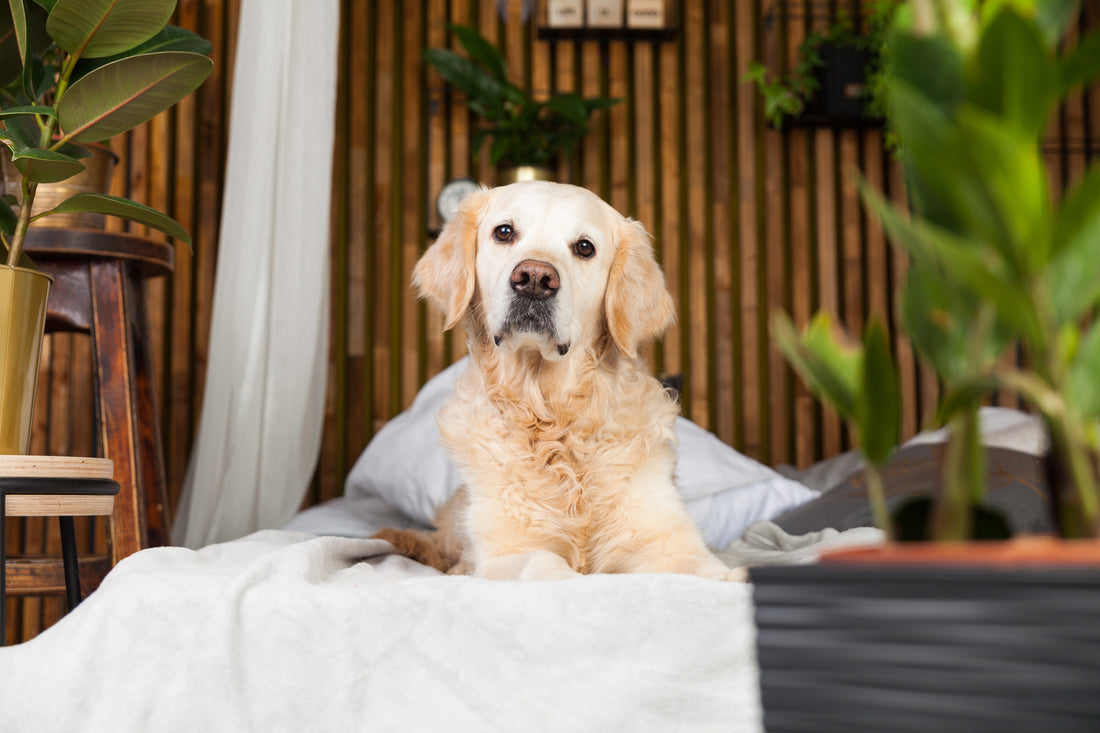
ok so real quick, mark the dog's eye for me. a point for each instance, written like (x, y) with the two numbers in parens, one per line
(504, 234)
(584, 249)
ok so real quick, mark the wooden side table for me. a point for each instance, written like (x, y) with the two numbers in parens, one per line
(98, 289)
(50, 486)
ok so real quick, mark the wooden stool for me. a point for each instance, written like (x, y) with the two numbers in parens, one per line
(98, 289)
(50, 486)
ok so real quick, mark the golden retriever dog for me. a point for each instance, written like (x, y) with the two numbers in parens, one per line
(562, 439)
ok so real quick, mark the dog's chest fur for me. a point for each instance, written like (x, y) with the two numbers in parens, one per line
(557, 465)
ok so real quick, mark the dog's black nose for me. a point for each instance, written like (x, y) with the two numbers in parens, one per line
(535, 280)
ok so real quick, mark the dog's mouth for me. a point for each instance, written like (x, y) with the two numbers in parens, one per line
(528, 318)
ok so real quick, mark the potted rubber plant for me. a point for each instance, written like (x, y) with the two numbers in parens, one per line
(957, 633)
(527, 134)
(74, 73)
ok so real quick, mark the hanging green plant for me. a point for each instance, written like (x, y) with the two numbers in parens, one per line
(524, 131)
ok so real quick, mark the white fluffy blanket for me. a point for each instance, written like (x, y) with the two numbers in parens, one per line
(282, 631)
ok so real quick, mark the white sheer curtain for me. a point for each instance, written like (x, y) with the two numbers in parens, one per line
(259, 432)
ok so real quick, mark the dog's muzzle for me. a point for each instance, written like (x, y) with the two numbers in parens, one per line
(534, 284)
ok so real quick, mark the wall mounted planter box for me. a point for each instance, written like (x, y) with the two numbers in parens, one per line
(839, 101)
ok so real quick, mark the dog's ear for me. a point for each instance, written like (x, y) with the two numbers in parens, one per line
(638, 304)
(445, 274)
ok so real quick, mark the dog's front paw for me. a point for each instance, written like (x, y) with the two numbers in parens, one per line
(532, 565)
(736, 575)
(716, 570)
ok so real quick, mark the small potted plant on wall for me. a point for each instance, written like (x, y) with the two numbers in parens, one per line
(972, 635)
(836, 77)
(75, 73)
(528, 135)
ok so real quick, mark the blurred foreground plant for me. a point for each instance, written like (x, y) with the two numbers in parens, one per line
(994, 260)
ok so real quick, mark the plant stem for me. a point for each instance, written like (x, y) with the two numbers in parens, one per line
(16, 247)
(877, 496)
(1069, 442)
(1079, 507)
(963, 476)
(1080, 501)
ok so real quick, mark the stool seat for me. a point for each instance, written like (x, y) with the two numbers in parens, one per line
(55, 467)
(60, 486)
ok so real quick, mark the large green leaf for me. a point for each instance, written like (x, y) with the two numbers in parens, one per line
(829, 367)
(20, 42)
(571, 107)
(1006, 187)
(46, 166)
(482, 51)
(485, 94)
(20, 54)
(29, 109)
(1080, 65)
(98, 203)
(1073, 274)
(1013, 75)
(21, 131)
(93, 28)
(124, 94)
(879, 403)
(975, 175)
(19, 25)
(961, 263)
(1051, 17)
(932, 64)
(172, 38)
(1083, 373)
(937, 318)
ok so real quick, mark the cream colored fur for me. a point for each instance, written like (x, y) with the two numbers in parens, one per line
(563, 440)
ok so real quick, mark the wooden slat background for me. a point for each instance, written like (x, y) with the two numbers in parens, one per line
(747, 220)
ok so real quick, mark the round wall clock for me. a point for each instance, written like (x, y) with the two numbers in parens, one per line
(451, 195)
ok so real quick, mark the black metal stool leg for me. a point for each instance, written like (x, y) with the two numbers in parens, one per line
(72, 564)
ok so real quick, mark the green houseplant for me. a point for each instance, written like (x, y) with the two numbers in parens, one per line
(73, 73)
(830, 65)
(525, 131)
(921, 629)
(993, 260)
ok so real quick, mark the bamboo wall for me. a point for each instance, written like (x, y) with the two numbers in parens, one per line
(747, 220)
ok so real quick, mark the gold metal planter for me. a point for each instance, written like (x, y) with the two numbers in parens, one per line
(523, 173)
(23, 296)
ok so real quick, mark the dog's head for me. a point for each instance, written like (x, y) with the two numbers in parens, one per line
(547, 266)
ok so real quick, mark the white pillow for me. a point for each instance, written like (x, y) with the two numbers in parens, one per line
(724, 491)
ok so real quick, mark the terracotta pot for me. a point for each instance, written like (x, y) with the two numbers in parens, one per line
(1021, 552)
(95, 178)
(23, 295)
(933, 637)
(524, 173)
